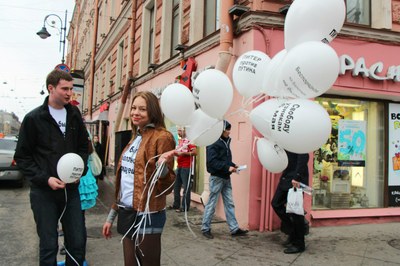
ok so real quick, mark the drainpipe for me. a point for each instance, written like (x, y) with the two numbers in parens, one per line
(224, 59)
(92, 60)
(131, 62)
(226, 36)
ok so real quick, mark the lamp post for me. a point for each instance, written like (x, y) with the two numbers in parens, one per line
(44, 34)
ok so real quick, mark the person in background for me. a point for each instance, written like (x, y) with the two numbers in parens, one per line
(100, 151)
(46, 134)
(220, 167)
(135, 204)
(185, 153)
(292, 224)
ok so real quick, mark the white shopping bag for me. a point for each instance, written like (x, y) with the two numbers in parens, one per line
(295, 201)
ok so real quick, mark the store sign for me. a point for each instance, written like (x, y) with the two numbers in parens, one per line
(394, 155)
(373, 71)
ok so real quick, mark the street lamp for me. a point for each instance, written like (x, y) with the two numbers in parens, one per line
(43, 33)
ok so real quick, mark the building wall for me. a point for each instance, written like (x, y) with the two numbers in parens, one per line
(261, 29)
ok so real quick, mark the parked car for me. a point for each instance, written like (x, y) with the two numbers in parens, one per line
(8, 167)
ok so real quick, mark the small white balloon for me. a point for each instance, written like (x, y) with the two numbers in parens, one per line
(213, 92)
(248, 72)
(261, 115)
(271, 156)
(300, 126)
(177, 103)
(204, 130)
(70, 167)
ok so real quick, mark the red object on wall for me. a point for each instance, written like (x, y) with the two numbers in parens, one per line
(186, 77)
(104, 107)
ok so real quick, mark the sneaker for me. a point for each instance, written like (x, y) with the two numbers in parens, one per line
(208, 234)
(171, 207)
(240, 232)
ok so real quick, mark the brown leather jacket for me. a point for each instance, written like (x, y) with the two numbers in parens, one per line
(154, 142)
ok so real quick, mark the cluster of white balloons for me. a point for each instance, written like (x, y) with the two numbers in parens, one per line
(212, 94)
(306, 68)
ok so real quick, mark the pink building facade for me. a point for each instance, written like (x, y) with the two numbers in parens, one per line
(353, 187)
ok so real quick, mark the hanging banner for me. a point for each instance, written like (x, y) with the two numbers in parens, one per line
(394, 155)
(352, 142)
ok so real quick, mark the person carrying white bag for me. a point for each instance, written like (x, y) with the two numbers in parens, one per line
(292, 224)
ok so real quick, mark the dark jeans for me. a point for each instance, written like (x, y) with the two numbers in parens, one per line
(47, 207)
(291, 224)
(182, 179)
(279, 205)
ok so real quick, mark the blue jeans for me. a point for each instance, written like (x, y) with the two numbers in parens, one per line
(47, 206)
(220, 185)
(182, 179)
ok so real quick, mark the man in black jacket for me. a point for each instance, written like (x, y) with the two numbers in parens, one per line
(220, 167)
(46, 134)
(291, 224)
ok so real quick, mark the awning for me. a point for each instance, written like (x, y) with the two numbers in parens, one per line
(103, 116)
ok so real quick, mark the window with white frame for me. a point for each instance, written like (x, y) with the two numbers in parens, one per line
(175, 26)
(108, 82)
(120, 64)
(211, 16)
(358, 12)
(147, 35)
(170, 25)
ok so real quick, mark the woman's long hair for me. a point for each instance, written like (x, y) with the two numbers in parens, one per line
(153, 110)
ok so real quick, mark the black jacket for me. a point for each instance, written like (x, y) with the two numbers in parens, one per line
(41, 144)
(219, 158)
(297, 169)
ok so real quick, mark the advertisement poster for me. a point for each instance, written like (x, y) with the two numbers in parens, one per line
(352, 140)
(394, 155)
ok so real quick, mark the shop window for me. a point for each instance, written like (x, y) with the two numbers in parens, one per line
(349, 168)
(358, 12)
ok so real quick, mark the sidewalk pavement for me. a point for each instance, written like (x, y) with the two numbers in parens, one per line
(372, 244)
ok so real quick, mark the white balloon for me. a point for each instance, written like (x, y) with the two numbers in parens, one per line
(300, 126)
(70, 167)
(261, 115)
(177, 103)
(248, 72)
(213, 92)
(204, 130)
(313, 20)
(308, 70)
(271, 156)
(269, 83)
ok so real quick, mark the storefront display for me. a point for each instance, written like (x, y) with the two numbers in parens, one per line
(348, 169)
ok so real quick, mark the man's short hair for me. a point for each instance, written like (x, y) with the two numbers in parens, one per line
(54, 77)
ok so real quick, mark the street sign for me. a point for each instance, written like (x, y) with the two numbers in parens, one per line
(63, 67)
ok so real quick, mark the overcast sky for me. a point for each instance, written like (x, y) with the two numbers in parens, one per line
(25, 58)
